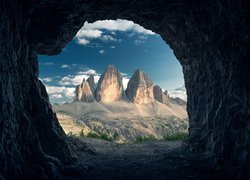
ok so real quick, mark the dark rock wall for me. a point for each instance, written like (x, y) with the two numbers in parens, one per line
(31, 139)
(210, 39)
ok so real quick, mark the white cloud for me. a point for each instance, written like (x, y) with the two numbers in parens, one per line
(112, 47)
(48, 79)
(88, 72)
(65, 66)
(82, 41)
(56, 96)
(102, 51)
(60, 91)
(117, 25)
(125, 82)
(179, 92)
(76, 80)
(108, 38)
(91, 31)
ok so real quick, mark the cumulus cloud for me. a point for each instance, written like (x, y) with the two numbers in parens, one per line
(96, 30)
(88, 72)
(60, 91)
(56, 96)
(125, 82)
(82, 41)
(118, 25)
(76, 80)
(48, 79)
(179, 92)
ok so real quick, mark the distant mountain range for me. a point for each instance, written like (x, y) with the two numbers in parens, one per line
(140, 89)
(106, 108)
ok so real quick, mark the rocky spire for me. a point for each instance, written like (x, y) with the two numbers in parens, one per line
(91, 82)
(110, 88)
(84, 92)
(161, 96)
(140, 88)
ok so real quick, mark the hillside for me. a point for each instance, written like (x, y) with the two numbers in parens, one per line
(122, 121)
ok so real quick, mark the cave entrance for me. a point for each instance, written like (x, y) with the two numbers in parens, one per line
(115, 102)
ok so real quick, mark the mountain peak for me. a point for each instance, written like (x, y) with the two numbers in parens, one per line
(110, 88)
(140, 88)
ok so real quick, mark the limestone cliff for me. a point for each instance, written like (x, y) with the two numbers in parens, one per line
(91, 82)
(161, 96)
(84, 92)
(110, 88)
(140, 88)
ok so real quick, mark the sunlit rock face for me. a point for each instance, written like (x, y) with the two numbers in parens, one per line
(161, 96)
(84, 92)
(140, 88)
(110, 88)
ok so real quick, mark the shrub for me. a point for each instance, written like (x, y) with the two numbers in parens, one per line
(82, 133)
(141, 139)
(176, 136)
(92, 134)
(116, 136)
(106, 137)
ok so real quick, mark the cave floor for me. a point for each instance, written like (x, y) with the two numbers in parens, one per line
(150, 160)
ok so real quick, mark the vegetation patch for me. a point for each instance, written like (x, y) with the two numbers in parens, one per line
(141, 139)
(176, 136)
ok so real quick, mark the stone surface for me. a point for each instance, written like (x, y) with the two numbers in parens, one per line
(178, 101)
(91, 82)
(140, 88)
(110, 88)
(209, 38)
(161, 96)
(84, 92)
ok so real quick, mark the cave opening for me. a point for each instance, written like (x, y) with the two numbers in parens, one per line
(210, 40)
(157, 114)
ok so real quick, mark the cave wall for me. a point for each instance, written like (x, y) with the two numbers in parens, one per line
(210, 39)
(32, 143)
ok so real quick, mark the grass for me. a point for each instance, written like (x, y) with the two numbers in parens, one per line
(173, 137)
(176, 136)
(140, 139)
(93, 134)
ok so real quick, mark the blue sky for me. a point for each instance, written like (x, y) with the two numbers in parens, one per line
(126, 45)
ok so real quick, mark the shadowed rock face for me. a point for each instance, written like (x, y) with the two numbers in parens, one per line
(91, 82)
(140, 88)
(84, 92)
(161, 96)
(110, 88)
(209, 38)
(178, 101)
